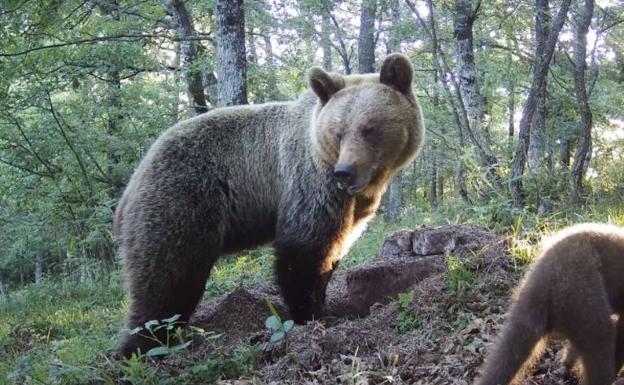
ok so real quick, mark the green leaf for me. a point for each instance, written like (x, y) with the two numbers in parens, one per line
(158, 351)
(278, 336)
(149, 324)
(179, 347)
(273, 323)
(288, 325)
(172, 319)
(136, 330)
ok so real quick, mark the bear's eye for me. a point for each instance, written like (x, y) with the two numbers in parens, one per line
(338, 136)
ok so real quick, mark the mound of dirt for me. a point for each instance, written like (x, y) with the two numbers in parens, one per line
(459, 278)
(240, 314)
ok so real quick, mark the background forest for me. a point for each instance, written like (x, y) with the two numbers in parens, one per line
(523, 102)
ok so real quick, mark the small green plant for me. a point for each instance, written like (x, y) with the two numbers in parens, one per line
(406, 320)
(172, 329)
(462, 320)
(23, 370)
(279, 330)
(460, 278)
(523, 251)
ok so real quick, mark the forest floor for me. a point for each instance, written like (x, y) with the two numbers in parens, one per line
(436, 332)
(433, 330)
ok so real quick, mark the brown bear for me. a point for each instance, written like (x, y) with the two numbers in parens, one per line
(573, 291)
(306, 175)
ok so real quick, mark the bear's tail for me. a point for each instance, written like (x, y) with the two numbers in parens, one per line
(521, 342)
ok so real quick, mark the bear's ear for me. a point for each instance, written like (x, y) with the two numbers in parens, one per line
(396, 72)
(323, 84)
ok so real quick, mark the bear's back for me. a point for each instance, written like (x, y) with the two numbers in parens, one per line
(583, 250)
(234, 161)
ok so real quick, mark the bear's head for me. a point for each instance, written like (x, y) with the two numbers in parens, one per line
(366, 126)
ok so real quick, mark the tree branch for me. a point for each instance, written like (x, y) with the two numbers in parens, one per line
(123, 37)
(69, 143)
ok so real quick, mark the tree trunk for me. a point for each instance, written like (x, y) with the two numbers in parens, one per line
(394, 40)
(393, 199)
(326, 41)
(114, 122)
(252, 59)
(345, 52)
(177, 61)
(511, 110)
(537, 137)
(539, 74)
(190, 50)
(564, 153)
(487, 159)
(441, 79)
(39, 268)
(474, 102)
(270, 64)
(230, 45)
(251, 47)
(440, 188)
(114, 115)
(582, 155)
(366, 40)
(433, 178)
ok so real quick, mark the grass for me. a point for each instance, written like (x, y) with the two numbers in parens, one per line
(54, 329)
(406, 319)
(57, 332)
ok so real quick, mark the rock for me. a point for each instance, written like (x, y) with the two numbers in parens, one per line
(433, 241)
(397, 244)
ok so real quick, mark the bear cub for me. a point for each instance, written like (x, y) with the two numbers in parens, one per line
(574, 290)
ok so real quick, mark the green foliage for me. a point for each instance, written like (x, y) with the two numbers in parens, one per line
(459, 277)
(50, 332)
(279, 330)
(462, 320)
(57, 332)
(406, 320)
(171, 328)
(240, 271)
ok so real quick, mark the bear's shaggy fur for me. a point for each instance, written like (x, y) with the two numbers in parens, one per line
(306, 175)
(572, 291)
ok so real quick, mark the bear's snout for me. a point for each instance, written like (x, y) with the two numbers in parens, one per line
(349, 178)
(344, 172)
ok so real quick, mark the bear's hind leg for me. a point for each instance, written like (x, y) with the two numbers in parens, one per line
(593, 336)
(160, 292)
(598, 362)
(619, 344)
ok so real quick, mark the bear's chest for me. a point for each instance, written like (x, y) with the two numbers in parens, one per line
(363, 210)
(365, 207)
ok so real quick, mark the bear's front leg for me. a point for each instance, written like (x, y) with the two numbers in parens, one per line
(302, 275)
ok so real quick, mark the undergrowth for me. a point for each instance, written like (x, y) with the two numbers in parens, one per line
(63, 330)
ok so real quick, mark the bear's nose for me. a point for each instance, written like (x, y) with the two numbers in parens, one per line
(344, 172)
